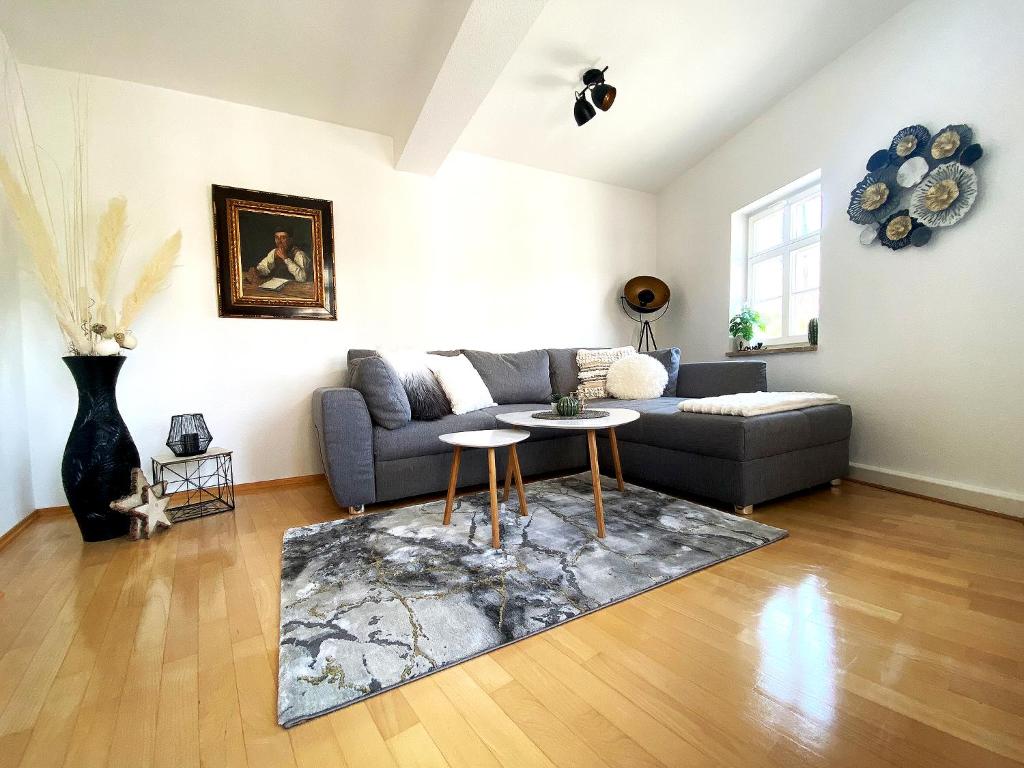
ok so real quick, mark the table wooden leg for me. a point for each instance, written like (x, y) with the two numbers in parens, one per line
(493, 480)
(595, 475)
(513, 460)
(508, 477)
(456, 457)
(615, 458)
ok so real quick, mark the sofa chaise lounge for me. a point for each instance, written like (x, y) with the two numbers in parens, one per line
(737, 460)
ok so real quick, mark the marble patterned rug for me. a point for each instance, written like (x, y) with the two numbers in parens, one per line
(373, 602)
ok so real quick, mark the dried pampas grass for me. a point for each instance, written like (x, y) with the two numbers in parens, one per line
(78, 285)
(152, 279)
(44, 255)
(108, 253)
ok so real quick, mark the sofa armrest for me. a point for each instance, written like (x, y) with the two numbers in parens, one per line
(345, 437)
(728, 378)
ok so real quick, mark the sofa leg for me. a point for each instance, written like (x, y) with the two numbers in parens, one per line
(747, 510)
(356, 510)
(836, 482)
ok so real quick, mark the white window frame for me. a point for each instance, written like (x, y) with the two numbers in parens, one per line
(784, 199)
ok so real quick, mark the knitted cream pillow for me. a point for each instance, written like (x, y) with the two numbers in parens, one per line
(593, 365)
(636, 377)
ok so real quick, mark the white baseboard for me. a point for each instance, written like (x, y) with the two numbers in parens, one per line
(1005, 503)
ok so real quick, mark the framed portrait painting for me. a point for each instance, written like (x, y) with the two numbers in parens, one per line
(275, 255)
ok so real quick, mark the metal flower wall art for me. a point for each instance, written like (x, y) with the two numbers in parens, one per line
(935, 170)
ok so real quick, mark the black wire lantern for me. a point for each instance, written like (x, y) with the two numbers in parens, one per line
(189, 435)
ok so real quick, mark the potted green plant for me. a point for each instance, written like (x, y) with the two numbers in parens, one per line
(741, 326)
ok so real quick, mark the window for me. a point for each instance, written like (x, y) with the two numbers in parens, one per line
(783, 260)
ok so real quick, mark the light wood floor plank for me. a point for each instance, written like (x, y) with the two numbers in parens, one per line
(391, 714)
(315, 745)
(89, 744)
(614, 746)
(27, 699)
(177, 725)
(414, 747)
(134, 736)
(50, 735)
(555, 739)
(265, 743)
(454, 737)
(221, 740)
(502, 735)
(667, 746)
(361, 742)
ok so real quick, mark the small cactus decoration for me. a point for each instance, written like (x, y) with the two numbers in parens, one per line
(568, 406)
(812, 331)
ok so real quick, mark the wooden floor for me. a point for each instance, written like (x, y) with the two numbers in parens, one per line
(886, 630)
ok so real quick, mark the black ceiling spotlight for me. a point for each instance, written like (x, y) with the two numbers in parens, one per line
(602, 94)
(583, 110)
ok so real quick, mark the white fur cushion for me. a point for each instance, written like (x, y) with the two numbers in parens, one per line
(461, 383)
(636, 377)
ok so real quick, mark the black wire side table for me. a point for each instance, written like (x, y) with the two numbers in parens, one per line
(201, 485)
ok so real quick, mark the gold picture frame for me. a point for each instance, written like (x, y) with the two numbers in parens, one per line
(275, 255)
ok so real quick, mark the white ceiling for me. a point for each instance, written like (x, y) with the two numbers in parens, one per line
(363, 63)
(690, 73)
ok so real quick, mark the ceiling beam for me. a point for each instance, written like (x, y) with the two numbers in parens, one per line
(490, 33)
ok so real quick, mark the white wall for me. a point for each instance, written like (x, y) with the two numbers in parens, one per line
(924, 343)
(16, 499)
(485, 254)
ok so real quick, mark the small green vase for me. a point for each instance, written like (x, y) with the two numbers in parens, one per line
(568, 406)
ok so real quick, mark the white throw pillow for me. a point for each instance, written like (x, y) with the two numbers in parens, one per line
(636, 377)
(593, 365)
(461, 383)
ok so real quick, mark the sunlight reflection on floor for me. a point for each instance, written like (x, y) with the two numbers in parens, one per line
(798, 665)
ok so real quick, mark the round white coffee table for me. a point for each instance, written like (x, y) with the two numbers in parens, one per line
(489, 439)
(616, 417)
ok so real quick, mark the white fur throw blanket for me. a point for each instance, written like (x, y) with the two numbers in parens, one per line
(756, 403)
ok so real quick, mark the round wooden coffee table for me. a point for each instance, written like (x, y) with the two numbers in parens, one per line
(489, 439)
(616, 417)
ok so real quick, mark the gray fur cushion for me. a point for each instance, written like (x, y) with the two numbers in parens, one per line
(670, 359)
(426, 398)
(383, 391)
(519, 377)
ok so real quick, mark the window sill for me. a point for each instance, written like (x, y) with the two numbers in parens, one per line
(773, 350)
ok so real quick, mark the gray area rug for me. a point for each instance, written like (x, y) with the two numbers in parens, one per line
(373, 602)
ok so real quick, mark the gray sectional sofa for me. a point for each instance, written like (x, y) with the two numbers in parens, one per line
(737, 460)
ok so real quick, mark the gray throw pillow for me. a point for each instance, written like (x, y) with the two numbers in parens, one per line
(670, 359)
(565, 373)
(514, 377)
(383, 392)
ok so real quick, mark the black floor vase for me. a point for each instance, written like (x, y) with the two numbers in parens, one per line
(100, 453)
